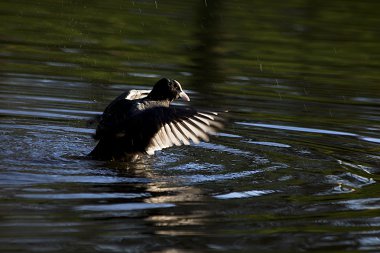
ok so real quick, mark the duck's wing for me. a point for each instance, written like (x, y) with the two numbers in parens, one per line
(162, 127)
(128, 95)
(113, 118)
(137, 94)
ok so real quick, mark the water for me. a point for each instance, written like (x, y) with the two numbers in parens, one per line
(295, 169)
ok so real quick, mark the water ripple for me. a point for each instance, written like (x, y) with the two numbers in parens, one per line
(39, 114)
(223, 148)
(44, 98)
(245, 194)
(67, 196)
(370, 139)
(50, 128)
(297, 129)
(199, 178)
(123, 207)
(29, 178)
(361, 204)
(267, 143)
(310, 130)
(192, 166)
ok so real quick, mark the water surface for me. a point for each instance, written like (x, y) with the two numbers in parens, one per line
(295, 169)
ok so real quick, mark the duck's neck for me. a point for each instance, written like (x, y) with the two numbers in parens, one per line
(155, 102)
(157, 97)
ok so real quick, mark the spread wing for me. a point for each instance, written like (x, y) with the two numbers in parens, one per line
(162, 127)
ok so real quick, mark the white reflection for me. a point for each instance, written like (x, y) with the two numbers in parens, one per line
(123, 207)
(362, 204)
(297, 129)
(245, 194)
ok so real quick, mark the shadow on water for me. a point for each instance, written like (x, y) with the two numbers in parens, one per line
(206, 61)
(295, 169)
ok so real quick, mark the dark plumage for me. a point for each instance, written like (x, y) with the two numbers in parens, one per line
(142, 121)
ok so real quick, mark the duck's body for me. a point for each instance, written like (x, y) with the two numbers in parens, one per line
(139, 122)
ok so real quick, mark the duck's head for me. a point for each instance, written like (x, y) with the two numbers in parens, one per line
(166, 89)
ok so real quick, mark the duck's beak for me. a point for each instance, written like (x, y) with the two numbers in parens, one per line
(184, 96)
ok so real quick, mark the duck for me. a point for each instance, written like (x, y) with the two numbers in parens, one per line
(141, 122)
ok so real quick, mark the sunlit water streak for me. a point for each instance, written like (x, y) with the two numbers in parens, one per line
(307, 130)
(245, 194)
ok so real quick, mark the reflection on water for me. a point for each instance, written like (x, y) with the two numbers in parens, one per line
(295, 169)
(246, 194)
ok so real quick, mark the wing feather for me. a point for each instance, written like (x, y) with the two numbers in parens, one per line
(188, 133)
(178, 134)
(159, 127)
(199, 132)
(172, 137)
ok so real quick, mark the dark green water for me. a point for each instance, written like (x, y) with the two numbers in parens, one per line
(296, 168)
